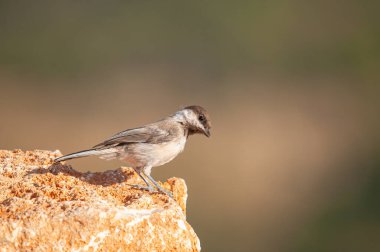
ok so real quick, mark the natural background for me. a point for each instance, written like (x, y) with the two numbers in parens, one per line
(292, 88)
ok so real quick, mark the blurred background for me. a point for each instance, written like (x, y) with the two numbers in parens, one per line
(292, 88)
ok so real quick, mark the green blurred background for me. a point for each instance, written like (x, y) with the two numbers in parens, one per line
(292, 88)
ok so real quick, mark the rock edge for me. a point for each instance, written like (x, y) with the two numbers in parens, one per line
(52, 207)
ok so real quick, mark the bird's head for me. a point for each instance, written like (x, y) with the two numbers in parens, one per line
(196, 120)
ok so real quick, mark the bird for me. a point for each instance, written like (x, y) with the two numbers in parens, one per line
(151, 145)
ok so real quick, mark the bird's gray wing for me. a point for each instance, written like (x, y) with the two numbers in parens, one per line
(146, 134)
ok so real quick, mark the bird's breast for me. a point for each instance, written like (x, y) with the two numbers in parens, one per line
(165, 152)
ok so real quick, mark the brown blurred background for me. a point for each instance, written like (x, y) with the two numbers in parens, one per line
(292, 88)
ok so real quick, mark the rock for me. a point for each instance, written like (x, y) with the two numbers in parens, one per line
(52, 207)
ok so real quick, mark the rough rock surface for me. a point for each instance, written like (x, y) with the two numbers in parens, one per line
(52, 207)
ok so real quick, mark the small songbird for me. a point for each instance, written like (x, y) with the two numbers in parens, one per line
(151, 145)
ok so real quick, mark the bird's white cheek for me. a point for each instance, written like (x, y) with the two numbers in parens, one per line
(192, 118)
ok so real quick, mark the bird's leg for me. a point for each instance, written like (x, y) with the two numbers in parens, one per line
(157, 185)
(149, 187)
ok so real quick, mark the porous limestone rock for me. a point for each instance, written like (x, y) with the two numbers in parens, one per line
(52, 207)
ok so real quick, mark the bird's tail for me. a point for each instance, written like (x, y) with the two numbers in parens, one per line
(79, 154)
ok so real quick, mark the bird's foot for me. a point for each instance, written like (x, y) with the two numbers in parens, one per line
(170, 194)
(160, 189)
(146, 188)
(152, 190)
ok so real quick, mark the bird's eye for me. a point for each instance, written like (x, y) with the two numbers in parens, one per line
(201, 118)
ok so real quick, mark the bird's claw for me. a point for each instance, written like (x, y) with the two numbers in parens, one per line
(152, 190)
(170, 194)
(146, 188)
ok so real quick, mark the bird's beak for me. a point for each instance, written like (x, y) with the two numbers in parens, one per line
(207, 132)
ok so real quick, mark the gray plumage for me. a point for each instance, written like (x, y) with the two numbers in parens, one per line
(153, 144)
